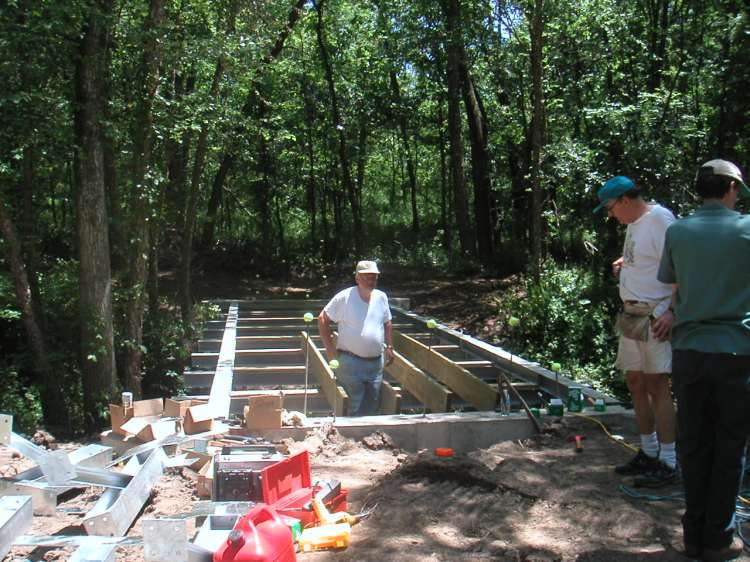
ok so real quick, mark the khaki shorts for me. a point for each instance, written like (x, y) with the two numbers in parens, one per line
(652, 356)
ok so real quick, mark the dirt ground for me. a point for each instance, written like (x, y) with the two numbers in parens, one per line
(535, 500)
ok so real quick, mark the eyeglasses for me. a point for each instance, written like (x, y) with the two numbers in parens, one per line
(611, 204)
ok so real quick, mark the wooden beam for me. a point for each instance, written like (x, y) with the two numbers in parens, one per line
(390, 399)
(475, 391)
(266, 352)
(428, 391)
(335, 394)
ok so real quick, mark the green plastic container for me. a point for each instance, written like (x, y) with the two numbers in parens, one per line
(599, 405)
(555, 407)
(575, 399)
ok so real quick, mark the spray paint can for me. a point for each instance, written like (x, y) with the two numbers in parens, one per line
(575, 399)
(127, 399)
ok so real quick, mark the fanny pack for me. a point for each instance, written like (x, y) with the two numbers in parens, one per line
(634, 322)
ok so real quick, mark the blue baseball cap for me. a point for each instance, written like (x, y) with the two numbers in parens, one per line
(612, 190)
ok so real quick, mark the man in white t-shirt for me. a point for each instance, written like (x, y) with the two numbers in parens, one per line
(363, 319)
(644, 325)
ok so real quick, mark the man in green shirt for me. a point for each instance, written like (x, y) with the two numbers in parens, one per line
(707, 255)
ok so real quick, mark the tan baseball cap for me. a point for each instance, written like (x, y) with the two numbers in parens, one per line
(365, 266)
(724, 168)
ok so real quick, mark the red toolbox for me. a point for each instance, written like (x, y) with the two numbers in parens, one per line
(259, 536)
(285, 477)
(248, 476)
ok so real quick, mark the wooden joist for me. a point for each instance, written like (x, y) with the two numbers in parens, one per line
(431, 393)
(390, 399)
(472, 389)
(261, 353)
(334, 393)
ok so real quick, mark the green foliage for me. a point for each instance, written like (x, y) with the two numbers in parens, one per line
(166, 348)
(567, 319)
(19, 400)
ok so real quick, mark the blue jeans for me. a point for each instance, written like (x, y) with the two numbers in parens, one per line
(361, 378)
(713, 418)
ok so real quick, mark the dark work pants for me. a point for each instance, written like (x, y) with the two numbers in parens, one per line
(713, 417)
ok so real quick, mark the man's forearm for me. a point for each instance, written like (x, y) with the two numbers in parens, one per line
(325, 335)
(388, 333)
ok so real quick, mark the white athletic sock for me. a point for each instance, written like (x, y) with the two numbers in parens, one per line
(667, 455)
(650, 444)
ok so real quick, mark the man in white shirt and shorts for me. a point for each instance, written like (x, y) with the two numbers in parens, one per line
(364, 343)
(644, 325)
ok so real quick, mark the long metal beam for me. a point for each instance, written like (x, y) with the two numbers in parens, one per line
(44, 496)
(116, 510)
(219, 400)
(15, 517)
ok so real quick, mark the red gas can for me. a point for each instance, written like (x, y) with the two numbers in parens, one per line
(259, 536)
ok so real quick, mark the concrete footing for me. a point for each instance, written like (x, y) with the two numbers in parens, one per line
(462, 432)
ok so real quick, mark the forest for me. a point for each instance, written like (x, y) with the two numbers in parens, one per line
(270, 137)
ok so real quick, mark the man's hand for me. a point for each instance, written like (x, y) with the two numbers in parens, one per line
(616, 267)
(661, 326)
(389, 355)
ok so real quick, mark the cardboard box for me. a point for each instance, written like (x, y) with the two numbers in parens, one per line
(264, 411)
(178, 408)
(205, 480)
(198, 419)
(120, 416)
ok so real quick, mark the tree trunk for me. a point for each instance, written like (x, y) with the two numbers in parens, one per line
(451, 9)
(311, 184)
(338, 124)
(480, 160)
(249, 109)
(191, 210)
(53, 409)
(537, 136)
(411, 167)
(445, 214)
(214, 201)
(140, 201)
(95, 283)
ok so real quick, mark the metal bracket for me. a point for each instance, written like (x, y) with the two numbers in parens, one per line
(56, 467)
(165, 540)
(6, 426)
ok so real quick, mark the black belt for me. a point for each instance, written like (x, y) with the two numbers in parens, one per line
(636, 302)
(345, 352)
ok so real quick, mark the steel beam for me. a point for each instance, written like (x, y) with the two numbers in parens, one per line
(218, 399)
(15, 516)
(116, 510)
(44, 496)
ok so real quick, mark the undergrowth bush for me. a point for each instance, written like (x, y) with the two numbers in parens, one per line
(167, 349)
(567, 318)
(20, 401)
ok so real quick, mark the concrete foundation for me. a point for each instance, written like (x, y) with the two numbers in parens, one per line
(462, 432)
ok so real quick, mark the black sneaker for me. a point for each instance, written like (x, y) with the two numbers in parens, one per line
(641, 463)
(661, 475)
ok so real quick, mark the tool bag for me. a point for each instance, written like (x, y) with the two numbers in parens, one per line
(634, 322)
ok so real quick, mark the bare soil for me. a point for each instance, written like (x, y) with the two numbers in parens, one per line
(536, 500)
